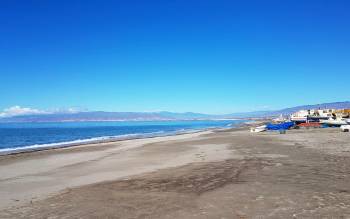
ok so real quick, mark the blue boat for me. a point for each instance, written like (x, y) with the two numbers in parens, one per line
(280, 126)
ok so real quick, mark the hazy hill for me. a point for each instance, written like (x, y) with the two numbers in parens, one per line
(149, 116)
(288, 111)
(105, 116)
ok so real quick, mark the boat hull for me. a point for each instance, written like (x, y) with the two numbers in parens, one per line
(298, 119)
(334, 122)
(258, 129)
(345, 128)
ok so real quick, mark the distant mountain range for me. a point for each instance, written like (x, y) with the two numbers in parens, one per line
(151, 116)
(106, 116)
(288, 111)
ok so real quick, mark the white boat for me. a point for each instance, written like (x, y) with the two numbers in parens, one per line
(298, 119)
(312, 114)
(334, 122)
(258, 129)
(345, 128)
(300, 116)
(325, 113)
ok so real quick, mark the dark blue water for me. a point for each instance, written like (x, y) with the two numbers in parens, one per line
(14, 136)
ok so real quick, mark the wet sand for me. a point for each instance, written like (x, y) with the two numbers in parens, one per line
(225, 174)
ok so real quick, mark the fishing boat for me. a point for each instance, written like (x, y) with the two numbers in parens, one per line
(258, 129)
(300, 116)
(310, 125)
(334, 122)
(312, 115)
(345, 128)
(343, 113)
(325, 113)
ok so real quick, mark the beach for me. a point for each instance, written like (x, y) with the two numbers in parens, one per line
(229, 173)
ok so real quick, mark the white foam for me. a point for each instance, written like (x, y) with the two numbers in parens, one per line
(100, 139)
(87, 141)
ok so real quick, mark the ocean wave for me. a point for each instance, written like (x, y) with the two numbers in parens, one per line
(107, 136)
(36, 147)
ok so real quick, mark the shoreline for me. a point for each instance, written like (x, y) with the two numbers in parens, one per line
(108, 139)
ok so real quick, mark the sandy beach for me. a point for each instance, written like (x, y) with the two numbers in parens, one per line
(212, 174)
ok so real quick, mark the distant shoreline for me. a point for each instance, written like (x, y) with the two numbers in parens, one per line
(107, 138)
(61, 145)
(120, 120)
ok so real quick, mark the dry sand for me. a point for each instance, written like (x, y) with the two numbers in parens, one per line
(225, 174)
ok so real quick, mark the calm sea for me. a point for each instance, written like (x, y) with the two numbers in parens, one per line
(19, 136)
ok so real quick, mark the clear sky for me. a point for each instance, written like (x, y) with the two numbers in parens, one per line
(181, 55)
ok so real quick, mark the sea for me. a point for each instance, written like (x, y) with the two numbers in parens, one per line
(18, 137)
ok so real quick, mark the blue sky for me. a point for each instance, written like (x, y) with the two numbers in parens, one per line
(203, 56)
